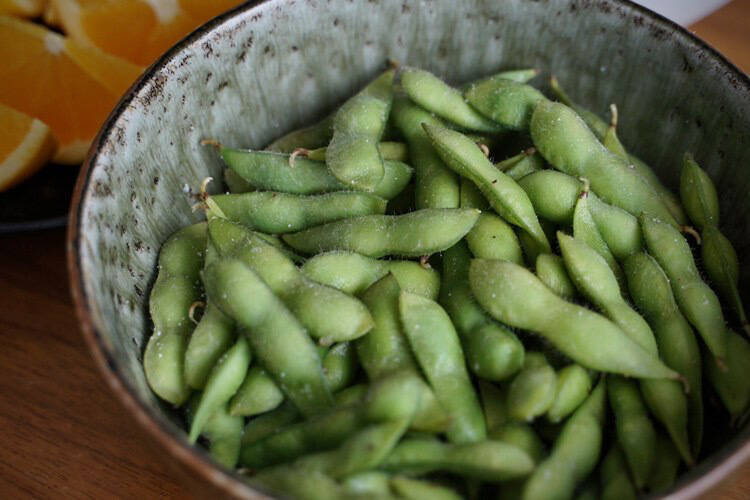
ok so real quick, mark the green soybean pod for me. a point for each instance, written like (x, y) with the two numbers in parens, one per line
(574, 454)
(492, 351)
(551, 271)
(354, 273)
(268, 171)
(386, 349)
(277, 339)
(340, 366)
(698, 194)
(600, 128)
(352, 156)
(235, 183)
(277, 213)
(223, 433)
(596, 281)
(721, 265)
(503, 193)
(586, 230)
(213, 335)
(415, 489)
(521, 436)
(666, 464)
(504, 101)
(351, 395)
(415, 234)
(491, 461)
(438, 97)
(328, 314)
(435, 185)
(264, 425)
(175, 290)
(553, 194)
(519, 75)
(436, 346)
(564, 140)
(257, 394)
(513, 295)
(573, 387)
(732, 383)
(529, 162)
(697, 301)
(389, 150)
(493, 238)
(223, 382)
(531, 392)
(616, 483)
(635, 432)
(472, 197)
(620, 230)
(651, 292)
(310, 137)
(367, 484)
(292, 481)
(531, 249)
(493, 405)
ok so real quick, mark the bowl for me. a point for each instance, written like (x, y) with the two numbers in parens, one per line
(266, 68)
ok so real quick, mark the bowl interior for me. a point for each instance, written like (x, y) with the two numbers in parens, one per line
(248, 77)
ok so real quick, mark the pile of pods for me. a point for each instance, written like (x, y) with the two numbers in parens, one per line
(378, 310)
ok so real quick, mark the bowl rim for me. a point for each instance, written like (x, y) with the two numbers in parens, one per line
(198, 461)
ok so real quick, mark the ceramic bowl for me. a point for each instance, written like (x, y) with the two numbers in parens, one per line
(264, 69)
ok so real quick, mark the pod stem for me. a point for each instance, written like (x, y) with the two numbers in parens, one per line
(586, 187)
(613, 116)
(484, 148)
(195, 305)
(211, 142)
(298, 152)
(692, 232)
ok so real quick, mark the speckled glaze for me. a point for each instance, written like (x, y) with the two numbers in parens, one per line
(265, 69)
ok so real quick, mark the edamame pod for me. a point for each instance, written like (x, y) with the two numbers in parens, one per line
(504, 101)
(485, 460)
(493, 238)
(573, 387)
(519, 166)
(436, 96)
(553, 194)
(698, 194)
(575, 453)
(697, 301)
(585, 230)
(257, 394)
(532, 392)
(415, 234)
(523, 437)
(635, 432)
(550, 269)
(310, 137)
(386, 349)
(176, 288)
(328, 314)
(223, 432)
(666, 464)
(515, 296)
(504, 195)
(353, 273)
(277, 213)
(269, 171)
(721, 265)
(223, 382)
(264, 425)
(435, 344)
(389, 150)
(213, 335)
(352, 155)
(414, 489)
(472, 197)
(435, 185)
(493, 405)
(732, 383)
(564, 140)
(616, 484)
(277, 339)
(340, 366)
(492, 351)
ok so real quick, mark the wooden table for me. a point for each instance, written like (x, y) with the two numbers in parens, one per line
(62, 433)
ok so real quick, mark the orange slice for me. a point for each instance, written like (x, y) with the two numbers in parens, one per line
(145, 28)
(23, 8)
(26, 144)
(69, 87)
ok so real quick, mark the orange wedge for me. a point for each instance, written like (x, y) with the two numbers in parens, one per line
(144, 28)
(69, 87)
(23, 8)
(26, 144)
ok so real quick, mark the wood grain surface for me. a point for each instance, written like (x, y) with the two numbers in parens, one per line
(62, 432)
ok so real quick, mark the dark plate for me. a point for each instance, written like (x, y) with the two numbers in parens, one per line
(40, 202)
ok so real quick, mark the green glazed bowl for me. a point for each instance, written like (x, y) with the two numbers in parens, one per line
(264, 69)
